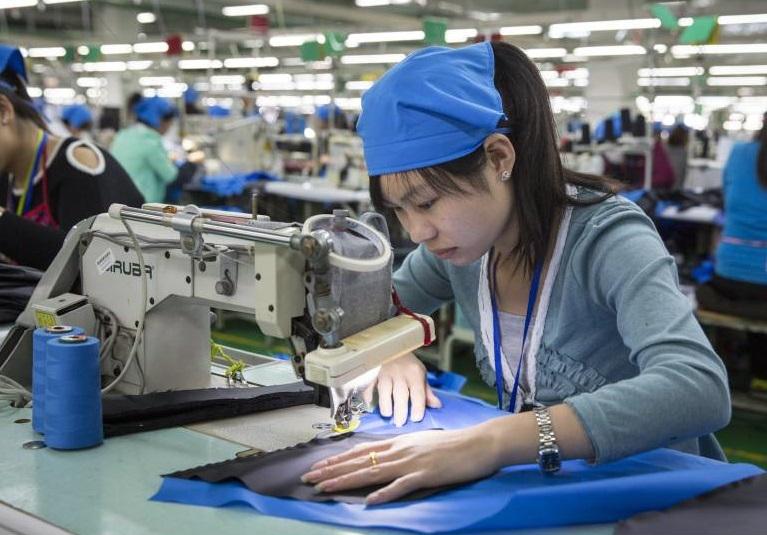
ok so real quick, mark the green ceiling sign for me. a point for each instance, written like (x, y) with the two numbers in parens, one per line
(699, 32)
(434, 31)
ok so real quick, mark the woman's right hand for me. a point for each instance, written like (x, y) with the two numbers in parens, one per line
(400, 383)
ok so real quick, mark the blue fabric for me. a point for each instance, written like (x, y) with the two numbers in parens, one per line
(218, 111)
(450, 381)
(191, 95)
(77, 115)
(234, 184)
(152, 110)
(435, 106)
(323, 112)
(11, 60)
(516, 497)
(745, 200)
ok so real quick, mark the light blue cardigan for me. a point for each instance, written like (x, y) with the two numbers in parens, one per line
(620, 343)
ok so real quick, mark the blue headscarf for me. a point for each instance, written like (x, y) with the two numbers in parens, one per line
(11, 61)
(77, 115)
(152, 110)
(323, 112)
(437, 105)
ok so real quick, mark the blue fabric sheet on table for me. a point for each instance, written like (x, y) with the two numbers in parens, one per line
(516, 497)
(232, 184)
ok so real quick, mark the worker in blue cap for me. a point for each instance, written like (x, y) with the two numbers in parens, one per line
(78, 119)
(47, 183)
(573, 299)
(140, 149)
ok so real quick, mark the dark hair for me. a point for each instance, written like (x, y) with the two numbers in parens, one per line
(761, 160)
(678, 136)
(19, 99)
(133, 99)
(539, 180)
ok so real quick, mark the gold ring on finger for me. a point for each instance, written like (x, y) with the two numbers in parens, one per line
(373, 458)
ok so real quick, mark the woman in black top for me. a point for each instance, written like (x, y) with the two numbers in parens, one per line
(47, 183)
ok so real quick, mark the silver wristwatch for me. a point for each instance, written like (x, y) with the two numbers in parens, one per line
(548, 450)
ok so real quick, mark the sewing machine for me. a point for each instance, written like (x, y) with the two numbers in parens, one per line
(149, 277)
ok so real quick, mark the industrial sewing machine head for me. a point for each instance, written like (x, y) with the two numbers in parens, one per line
(152, 275)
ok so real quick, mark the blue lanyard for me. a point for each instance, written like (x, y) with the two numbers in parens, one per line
(497, 334)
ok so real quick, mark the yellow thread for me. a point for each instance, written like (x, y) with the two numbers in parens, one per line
(236, 367)
(45, 319)
(353, 425)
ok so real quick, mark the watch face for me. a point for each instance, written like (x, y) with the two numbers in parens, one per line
(548, 459)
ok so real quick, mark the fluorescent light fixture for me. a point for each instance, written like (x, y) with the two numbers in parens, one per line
(47, 52)
(737, 70)
(116, 49)
(59, 93)
(376, 3)
(12, 4)
(737, 80)
(88, 81)
(382, 37)
(460, 35)
(151, 48)
(691, 50)
(742, 19)
(296, 39)
(104, 66)
(139, 65)
(245, 11)
(83, 50)
(581, 82)
(572, 58)
(228, 79)
(250, 63)
(536, 53)
(620, 50)
(147, 17)
(685, 21)
(372, 58)
(358, 85)
(549, 75)
(663, 82)
(275, 78)
(521, 30)
(556, 82)
(187, 46)
(569, 28)
(49, 2)
(156, 80)
(660, 48)
(188, 64)
(34, 92)
(670, 71)
(580, 73)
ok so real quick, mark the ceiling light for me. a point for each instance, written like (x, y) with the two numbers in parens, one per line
(116, 49)
(47, 52)
(620, 50)
(245, 11)
(737, 69)
(200, 64)
(358, 85)
(460, 35)
(146, 17)
(660, 48)
(250, 63)
(83, 50)
(228, 79)
(742, 19)
(737, 80)
(151, 48)
(521, 30)
(187, 46)
(139, 65)
(381, 37)
(12, 4)
(372, 58)
(691, 50)
(671, 71)
(103, 66)
(292, 39)
(87, 81)
(536, 53)
(156, 80)
(566, 29)
(376, 3)
(663, 82)
(49, 2)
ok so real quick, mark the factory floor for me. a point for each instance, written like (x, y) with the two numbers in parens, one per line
(743, 440)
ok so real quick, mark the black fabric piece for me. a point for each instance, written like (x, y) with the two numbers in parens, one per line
(74, 195)
(123, 415)
(739, 507)
(733, 297)
(16, 286)
(278, 473)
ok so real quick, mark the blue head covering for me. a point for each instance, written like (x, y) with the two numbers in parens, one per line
(435, 106)
(191, 95)
(77, 115)
(152, 110)
(323, 112)
(11, 61)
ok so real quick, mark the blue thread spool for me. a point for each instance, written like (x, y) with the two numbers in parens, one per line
(73, 393)
(39, 340)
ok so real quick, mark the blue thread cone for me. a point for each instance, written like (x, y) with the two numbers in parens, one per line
(73, 393)
(39, 340)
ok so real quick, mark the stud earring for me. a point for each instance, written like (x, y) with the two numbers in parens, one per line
(505, 176)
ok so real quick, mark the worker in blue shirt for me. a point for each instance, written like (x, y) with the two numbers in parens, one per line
(573, 299)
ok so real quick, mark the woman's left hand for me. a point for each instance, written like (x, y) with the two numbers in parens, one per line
(407, 463)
